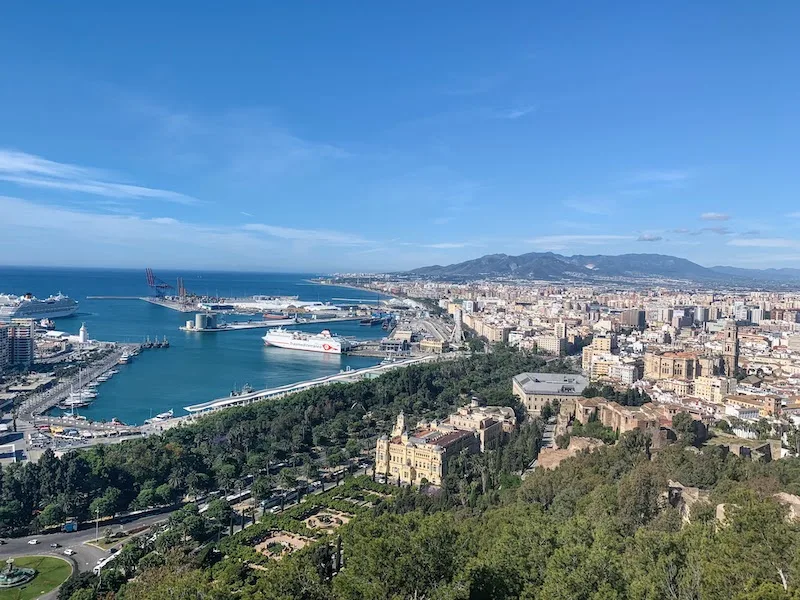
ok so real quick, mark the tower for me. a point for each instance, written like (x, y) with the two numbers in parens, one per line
(399, 426)
(83, 336)
(730, 352)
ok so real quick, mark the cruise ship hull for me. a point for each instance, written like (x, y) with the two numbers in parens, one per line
(325, 348)
(55, 307)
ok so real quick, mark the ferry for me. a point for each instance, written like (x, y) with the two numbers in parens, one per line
(325, 341)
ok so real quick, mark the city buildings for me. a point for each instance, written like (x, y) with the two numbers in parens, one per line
(535, 390)
(421, 456)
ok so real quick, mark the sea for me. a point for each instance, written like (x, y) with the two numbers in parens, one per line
(197, 367)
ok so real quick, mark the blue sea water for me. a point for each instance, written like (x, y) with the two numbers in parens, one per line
(197, 367)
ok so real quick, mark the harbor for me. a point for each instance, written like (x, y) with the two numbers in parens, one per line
(104, 391)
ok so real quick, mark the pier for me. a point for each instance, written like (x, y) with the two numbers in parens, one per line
(279, 392)
(240, 325)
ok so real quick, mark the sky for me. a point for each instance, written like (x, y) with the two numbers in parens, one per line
(344, 136)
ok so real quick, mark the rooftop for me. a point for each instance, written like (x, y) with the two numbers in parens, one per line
(552, 383)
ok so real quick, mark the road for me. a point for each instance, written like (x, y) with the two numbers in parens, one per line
(85, 557)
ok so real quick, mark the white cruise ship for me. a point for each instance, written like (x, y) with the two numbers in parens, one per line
(30, 307)
(324, 341)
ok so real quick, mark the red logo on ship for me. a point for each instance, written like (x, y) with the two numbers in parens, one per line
(327, 347)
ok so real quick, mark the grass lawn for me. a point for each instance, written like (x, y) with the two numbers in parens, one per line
(51, 572)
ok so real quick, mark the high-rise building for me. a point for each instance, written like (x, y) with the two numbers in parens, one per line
(21, 342)
(634, 317)
(730, 352)
(5, 351)
(561, 330)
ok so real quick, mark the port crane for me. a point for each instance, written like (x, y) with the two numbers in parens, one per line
(158, 285)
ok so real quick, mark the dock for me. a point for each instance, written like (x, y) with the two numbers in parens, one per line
(346, 376)
(240, 325)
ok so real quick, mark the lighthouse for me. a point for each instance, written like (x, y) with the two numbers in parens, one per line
(83, 337)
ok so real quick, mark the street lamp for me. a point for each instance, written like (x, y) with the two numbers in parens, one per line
(97, 525)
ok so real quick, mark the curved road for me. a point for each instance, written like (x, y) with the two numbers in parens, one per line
(85, 557)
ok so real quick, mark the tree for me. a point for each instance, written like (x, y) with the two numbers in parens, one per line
(219, 510)
(688, 429)
(53, 514)
(287, 478)
(263, 487)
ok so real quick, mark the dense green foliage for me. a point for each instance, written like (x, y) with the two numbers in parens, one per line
(628, 397)
(322, 425)
(597, 527)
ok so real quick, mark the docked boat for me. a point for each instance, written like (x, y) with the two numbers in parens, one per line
(160, 417)
(30, 307)
(324, 342)
(123, 360)
(270, 316)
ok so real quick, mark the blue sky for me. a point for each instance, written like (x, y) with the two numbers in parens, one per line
(351, 136)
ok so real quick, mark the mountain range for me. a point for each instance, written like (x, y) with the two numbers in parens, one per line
(551, 266)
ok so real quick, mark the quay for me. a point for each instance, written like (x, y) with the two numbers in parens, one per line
(40, 403)
(240, 325)
(346, 376)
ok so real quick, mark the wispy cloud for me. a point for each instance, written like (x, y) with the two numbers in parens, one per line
(765, 243)
(649, 237)
(448, 245)
(515, 113)
(715, 216)
(442, 220)
(561, 242)
(321, 236)
(718, 230)
(591, 205)
(29, 170)
(659, 176)
(246, 214)
(794, 215)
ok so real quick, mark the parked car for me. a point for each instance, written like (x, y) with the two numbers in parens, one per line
(55, 545)
(33, 542)
(69, 551)
(2, 542)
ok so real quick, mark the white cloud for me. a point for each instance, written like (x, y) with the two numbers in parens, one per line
(649, 237)
(515, 113)
(561, 242)
(591, 205)
(659, 176)
(322, 236)
(794, 215)
(765, 243)
(448, 245)
(28, 170)
(715, 216)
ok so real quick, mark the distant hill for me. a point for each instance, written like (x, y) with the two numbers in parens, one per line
(548, 265)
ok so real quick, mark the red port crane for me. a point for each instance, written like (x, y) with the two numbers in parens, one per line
(158, 285)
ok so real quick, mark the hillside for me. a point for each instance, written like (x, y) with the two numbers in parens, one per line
(551, 266)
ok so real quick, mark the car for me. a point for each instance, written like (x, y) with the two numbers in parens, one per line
(69, 551)
(2, 542)
(275, 509)
(33, 542)
(55, 545)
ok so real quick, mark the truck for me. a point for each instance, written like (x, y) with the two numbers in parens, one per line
(70, 525)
